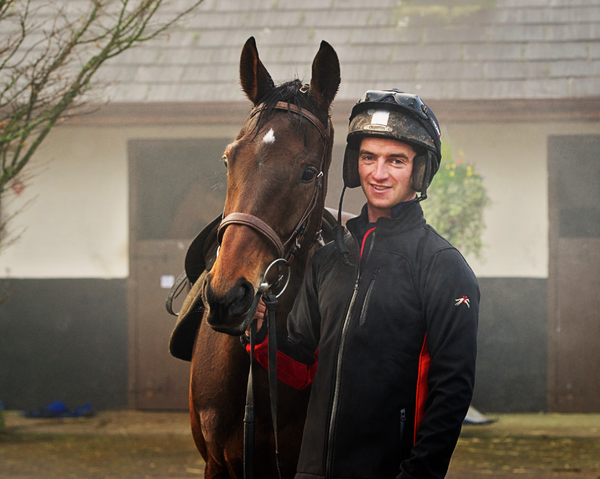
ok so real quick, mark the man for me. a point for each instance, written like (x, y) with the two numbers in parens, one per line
(391, 309)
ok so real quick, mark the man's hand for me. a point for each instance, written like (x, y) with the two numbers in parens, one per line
(259, 317)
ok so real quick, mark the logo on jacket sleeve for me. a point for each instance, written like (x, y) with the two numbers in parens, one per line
(462, 300)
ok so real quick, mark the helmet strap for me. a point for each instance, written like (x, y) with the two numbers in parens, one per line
(426, 177)
(338, 232)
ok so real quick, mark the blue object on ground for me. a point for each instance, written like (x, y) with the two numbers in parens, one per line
(59, 409)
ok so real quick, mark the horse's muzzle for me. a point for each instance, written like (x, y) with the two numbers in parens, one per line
(227, 311)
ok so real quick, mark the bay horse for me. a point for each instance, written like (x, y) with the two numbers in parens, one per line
(277, 169)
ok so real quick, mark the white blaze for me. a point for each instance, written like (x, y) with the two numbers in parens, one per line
(269, 138)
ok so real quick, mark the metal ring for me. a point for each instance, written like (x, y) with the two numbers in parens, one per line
(264, 286)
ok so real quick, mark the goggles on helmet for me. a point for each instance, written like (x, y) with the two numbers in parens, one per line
(404, 101)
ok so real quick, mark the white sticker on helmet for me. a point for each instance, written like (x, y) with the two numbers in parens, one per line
(380, 117)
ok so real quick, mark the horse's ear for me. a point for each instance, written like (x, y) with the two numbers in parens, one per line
(254, 77)
(325, 79)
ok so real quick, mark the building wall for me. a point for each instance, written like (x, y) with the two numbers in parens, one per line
(63, 339)
(75, 247)
(75, 222)
(513, 340)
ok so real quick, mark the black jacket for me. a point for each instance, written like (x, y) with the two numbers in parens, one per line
(396, 339)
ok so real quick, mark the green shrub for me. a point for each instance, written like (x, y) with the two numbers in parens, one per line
(456, 200)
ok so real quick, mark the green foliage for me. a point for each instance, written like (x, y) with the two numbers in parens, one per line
(456, 201)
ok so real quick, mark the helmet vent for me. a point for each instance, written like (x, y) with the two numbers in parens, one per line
(377, 128)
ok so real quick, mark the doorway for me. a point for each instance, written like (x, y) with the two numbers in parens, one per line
(574, 274)
(177, 186)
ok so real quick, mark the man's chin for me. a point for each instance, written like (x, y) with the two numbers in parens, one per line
(382, 204)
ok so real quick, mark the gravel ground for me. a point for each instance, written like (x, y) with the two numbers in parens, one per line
(138, 445)
(530, 446)
(111, 445)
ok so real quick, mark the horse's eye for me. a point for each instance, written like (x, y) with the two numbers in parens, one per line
(309, 174)
(224, 158)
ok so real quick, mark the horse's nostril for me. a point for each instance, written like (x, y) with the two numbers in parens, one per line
(241, 298)
(235, 302)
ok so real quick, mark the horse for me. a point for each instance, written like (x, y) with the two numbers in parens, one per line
(277, 169)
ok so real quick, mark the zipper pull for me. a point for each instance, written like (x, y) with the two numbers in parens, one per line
(402, 433)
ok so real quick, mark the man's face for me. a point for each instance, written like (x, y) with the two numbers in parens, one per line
(385, 167)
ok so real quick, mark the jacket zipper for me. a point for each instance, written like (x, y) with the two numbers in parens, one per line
(402, 432)
(338, 369)
(337, 379)
(365, 306)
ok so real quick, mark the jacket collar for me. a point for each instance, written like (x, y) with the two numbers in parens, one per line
(405, 216)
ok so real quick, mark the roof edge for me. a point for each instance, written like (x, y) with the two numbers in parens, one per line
(206, 113)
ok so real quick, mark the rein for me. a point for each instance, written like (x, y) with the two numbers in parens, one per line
(270, 301)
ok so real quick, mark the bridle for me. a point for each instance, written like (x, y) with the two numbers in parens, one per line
(286, 253)
(289, 248)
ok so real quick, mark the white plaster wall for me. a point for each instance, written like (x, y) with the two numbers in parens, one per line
(513, 160)
(77, 225)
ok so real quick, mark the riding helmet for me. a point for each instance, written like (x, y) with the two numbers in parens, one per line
(399, 116)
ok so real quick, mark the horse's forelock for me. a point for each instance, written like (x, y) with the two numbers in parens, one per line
(289, 92)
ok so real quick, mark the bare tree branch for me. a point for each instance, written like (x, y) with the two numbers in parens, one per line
(50, 56)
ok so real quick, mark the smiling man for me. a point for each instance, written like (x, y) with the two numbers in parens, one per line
(392, 309)
(385, 168)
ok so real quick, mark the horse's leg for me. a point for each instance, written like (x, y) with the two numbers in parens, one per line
(222, 461)
(217, 388)
(216, 465)
(217, 392)
(197, 428)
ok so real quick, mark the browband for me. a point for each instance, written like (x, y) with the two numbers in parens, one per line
(282, 105)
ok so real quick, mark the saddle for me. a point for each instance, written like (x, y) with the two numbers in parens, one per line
(199, 260)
